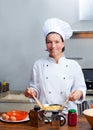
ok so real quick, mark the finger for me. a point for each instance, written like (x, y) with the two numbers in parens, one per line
(74, 97)
(28, 92)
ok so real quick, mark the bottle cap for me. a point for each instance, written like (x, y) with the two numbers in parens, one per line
(72, 110)
(55, 112)
(36, 108)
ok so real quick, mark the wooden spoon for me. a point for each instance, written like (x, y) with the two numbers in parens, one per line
(37, 101)
(63, 105)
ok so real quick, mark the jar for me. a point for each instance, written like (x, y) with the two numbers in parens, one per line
(72, 117)
(36, 117)
(57, 119)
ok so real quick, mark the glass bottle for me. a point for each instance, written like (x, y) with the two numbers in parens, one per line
(72, 117)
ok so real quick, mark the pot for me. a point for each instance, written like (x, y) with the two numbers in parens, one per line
(52, 107)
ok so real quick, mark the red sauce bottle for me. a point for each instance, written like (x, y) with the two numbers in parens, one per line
(72, 117)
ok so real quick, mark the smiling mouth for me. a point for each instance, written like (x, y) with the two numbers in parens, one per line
(52, 50)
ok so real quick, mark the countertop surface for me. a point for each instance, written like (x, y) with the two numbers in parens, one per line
(82, 124)
(89, 97)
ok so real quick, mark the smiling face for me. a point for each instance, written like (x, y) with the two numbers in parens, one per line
(54, 44)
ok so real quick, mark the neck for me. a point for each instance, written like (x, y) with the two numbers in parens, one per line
(56, 58)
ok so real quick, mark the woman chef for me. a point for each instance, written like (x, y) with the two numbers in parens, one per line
(56, 78)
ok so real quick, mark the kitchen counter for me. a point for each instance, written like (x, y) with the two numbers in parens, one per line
(81, 125)
(12, 100)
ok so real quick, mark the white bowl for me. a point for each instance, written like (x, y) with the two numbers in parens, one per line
(88, 113)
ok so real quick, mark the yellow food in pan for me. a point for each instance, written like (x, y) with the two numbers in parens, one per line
(52, 107)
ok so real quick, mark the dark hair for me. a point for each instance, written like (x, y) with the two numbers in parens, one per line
(63, 49)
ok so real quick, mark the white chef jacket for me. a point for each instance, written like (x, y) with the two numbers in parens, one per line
(54, 82)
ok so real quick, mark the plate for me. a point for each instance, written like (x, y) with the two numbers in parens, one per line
(19, 115)
(19, 121)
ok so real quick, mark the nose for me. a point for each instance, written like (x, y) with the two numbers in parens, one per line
(53, 44)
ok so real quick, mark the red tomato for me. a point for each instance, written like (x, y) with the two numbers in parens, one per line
(91, 106)
(19, 115)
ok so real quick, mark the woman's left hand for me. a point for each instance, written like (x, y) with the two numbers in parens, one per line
(75, 95)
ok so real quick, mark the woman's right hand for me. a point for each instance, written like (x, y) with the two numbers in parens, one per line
(29, 92)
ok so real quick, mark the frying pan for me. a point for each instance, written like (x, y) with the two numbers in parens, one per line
(52, 107)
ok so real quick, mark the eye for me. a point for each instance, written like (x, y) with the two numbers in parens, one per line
(48, 42)
(57, 42)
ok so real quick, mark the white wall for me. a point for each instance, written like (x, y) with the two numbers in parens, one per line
(86, 9)
(21, 36)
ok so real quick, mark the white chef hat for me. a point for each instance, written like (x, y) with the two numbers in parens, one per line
(58, 26)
